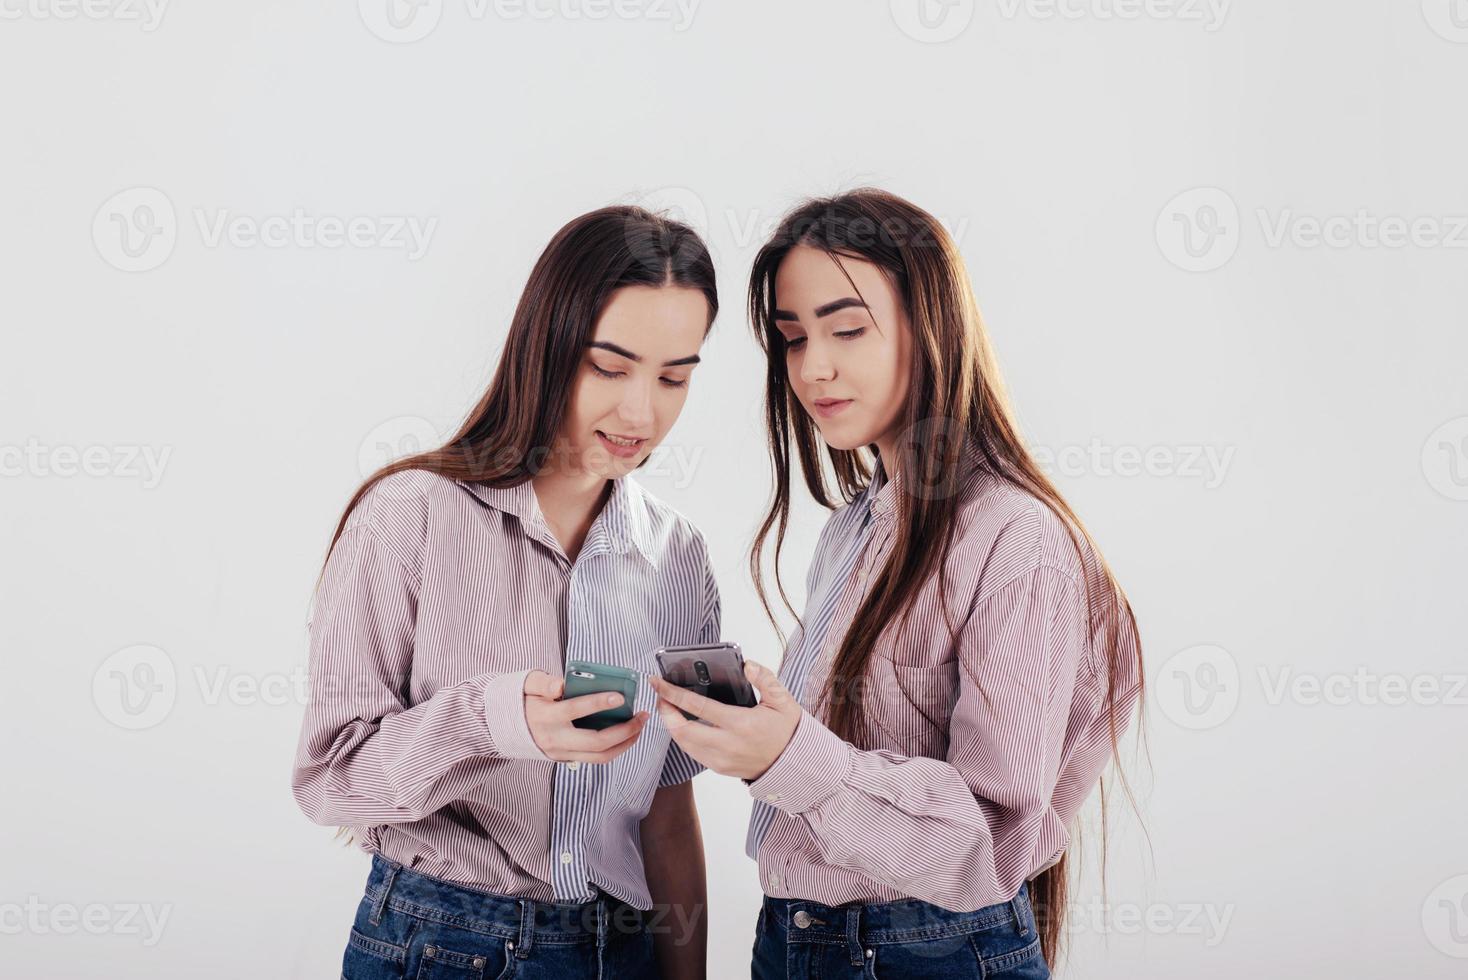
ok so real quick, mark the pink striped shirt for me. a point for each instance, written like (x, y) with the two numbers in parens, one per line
(438, 599)
(981, 749)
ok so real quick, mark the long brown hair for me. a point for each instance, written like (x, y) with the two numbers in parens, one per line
(508, 435)
(957, 412)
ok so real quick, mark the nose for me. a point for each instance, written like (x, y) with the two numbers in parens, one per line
(636, 408)
(815, 365)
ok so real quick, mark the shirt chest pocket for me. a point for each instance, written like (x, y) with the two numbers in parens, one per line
(907, 708)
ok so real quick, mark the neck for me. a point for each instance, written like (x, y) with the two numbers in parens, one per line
(570, 501)
(886, 451)
(569, 494)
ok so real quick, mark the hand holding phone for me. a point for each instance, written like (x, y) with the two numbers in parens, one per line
(584, 677)
(552, 718)
(732, 740)
(714, 670)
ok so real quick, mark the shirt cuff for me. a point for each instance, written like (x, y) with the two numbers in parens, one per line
(504, 718)
(810, 771)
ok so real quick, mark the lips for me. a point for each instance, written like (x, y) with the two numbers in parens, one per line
(624, 447)
(827, 407)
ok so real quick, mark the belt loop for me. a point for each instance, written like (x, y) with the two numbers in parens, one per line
(526, 942)
(1021, 920)
(853, 935)
(603, 917)
(387, 879)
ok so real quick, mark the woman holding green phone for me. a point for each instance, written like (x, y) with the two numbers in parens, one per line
(506, 838)
(966, 662)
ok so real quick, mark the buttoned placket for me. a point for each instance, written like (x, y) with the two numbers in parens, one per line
(570, 779)
(852, 592)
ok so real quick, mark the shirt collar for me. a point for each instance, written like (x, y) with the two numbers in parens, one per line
(880, 495)
(623, 520)
(626, 519)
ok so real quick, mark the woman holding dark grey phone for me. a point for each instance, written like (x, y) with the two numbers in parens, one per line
(966, 662)
(515, 831)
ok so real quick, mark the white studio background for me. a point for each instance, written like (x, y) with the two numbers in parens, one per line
(1221, 250)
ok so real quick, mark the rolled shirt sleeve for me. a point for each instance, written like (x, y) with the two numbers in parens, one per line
(960, 830)
(365, 758)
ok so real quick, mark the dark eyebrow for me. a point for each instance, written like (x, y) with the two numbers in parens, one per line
(624, 352)
(825, 310)
(838, 304)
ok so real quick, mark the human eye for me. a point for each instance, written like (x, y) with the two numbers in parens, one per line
(603, 372)
(674, 382)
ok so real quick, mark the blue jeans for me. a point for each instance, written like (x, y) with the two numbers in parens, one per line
(411, 925)
(799, 940)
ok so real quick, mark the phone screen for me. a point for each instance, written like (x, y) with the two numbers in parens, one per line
(715, 671)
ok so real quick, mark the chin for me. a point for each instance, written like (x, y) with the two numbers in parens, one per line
(844, 438)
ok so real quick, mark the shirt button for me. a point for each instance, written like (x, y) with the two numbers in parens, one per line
(565, 857)
(802, 919)
(573, 765)
(773, 797)
(774, 881)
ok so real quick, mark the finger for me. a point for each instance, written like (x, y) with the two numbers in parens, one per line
(589, 704)
(673, 719)
(706, 708)
(694, 737)
(614, 735)
(599, 757)
(574, 739)
(610, 753)
(767, 682)
(542, 685)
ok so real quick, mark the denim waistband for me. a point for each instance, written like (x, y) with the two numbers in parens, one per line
(907, 921)
(523, 920)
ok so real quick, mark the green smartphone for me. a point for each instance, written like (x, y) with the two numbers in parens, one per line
(583, 677)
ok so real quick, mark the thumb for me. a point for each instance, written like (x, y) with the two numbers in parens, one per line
(543, 685)
(771, 691)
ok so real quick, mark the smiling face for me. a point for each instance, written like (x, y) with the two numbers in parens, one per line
(634, 377)
(847, 356)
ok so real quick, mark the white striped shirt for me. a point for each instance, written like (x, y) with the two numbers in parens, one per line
(439, 597)
(979, 749)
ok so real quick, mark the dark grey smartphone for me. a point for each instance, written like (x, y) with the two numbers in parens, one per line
(715, 670)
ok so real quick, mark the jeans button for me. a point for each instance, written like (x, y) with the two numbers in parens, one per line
(802, 918)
